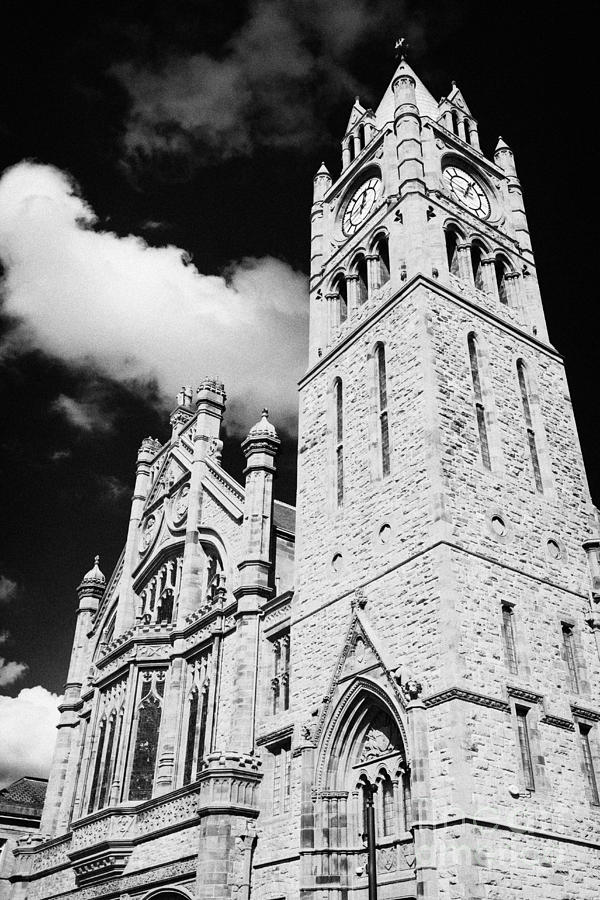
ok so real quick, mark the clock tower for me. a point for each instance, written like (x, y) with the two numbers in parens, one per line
(445, 650)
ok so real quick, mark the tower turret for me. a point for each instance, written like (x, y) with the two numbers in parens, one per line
(260, 449)
(504, 158)
(126, 609)
(61, 786)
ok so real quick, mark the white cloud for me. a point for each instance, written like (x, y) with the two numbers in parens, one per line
(8, 589)
(11, 671)
(273, 84)
(27, 733)
(118, 307)
(82, 414)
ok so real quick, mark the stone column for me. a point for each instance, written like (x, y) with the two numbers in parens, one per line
(464, 263)
(372, 273)
(126, 610)
(511, 280)
(352, 288)
(356, 142)
(60, 792)
(474, 134)
(260, 449)
(410, 173)
(488, 275)
(346, 160)
(421, 806)
(333, 315)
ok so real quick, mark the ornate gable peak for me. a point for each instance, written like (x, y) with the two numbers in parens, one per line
(456, 98)
(173, 468)
(363, 649)
(356, 113)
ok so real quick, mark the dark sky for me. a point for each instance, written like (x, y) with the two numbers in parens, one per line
(229, 179)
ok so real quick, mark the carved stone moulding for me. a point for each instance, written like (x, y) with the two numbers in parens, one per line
(106, 860)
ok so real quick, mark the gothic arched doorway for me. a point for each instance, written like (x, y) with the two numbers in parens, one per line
(363, 763)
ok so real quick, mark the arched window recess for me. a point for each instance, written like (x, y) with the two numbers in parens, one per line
(339, 289)
(380, 260)
(523, 377)
(338, 441)
(503, 274)
(197, 718)
(478, 253)
(146, 731)
(360, 277)
(453, 238)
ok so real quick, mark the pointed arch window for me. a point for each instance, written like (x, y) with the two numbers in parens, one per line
(382, 249)
(145, 744)
(454, 115)
(108, 750)
(197, 717)
(340, 288)
(361, 136)
(362, 288)
(478, 397)
(280, 682)
(531, 438)
(452, 251)
(477, 265)
(501, 271)
(97, 766)
(388, 811)
(339, 440)
(382, 410)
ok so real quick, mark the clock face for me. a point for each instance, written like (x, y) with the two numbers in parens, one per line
(467, 191)
(361, 204)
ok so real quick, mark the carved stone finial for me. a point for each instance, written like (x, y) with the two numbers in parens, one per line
(359, 601)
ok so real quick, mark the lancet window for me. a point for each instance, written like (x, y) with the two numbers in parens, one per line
(588, 762)
(477, 264)
(525, 747)
(197, 717)
(146, 728)
(501, 271)
(108, 751)
(570, 656)
(531, 438)
(340, 288)
(452, 251)
(282, 771)
(478, 398)
(338, 429)
(382, 410)
(280, 683)
(509, 639)
(362, 287)
(381, 247)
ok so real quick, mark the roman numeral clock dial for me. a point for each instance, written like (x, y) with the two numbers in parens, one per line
(467, 191)
(361, 205)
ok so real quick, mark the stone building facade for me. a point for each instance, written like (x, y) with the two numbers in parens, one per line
(411, 706)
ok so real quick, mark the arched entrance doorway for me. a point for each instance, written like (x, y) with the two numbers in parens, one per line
(363, 771)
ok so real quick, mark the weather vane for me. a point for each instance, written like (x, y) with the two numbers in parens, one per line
(401, 47)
